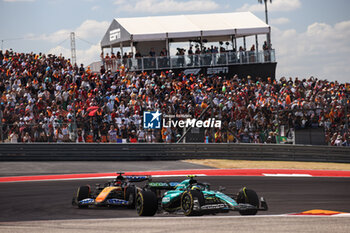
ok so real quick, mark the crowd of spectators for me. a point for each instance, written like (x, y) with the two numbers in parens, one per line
(45, 98)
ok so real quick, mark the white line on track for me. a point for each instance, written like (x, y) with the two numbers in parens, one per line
(288, 175)
(341, 215)
(217, 217)
(230, 216)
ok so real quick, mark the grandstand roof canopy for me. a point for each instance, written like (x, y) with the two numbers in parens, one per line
(182, 28)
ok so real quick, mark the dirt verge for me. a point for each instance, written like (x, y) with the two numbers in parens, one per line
(231, 164)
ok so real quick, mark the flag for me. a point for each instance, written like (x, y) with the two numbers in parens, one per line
(281, 139)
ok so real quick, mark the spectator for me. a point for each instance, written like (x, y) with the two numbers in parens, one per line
(112, 134)
(252, 54)
(27, 138)
(59, 135)
(346, 141)
(14, 137)
(338, 141)
(152, 53)
(82, 69)
(133, 137)
(80, 138)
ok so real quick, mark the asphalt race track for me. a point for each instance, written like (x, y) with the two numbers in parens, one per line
(45, 206)
(51, 200)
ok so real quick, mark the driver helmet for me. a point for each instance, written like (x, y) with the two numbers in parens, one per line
(118, 182)
(195, 187)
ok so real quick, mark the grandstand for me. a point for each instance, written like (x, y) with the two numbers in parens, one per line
(45, 98)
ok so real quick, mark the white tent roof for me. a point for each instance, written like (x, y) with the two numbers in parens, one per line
(190, 26)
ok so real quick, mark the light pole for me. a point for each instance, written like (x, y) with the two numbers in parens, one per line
(268, 36)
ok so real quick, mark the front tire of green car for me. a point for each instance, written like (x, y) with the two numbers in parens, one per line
(191, 201)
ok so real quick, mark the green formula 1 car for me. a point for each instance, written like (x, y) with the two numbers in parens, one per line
(192, 199)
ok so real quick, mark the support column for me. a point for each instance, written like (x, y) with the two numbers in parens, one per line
(235, 44)
(121, 49)
(102, 56)
(235, 39)
(257, 47)
(244, 43)
(132, 48)
(167, 45)
(232, 42)
(268, 37)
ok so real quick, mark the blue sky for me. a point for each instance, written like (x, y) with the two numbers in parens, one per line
(310, 37)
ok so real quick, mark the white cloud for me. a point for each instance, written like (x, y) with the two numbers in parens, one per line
(279, 21)
(119, 2)
(92, 28)
(321, 51)
(276, 5)
(165, 6)
(89, 55)
(55, 37)
(95, 8)
(89, 29)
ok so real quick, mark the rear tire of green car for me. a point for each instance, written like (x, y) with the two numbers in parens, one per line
(146, 203)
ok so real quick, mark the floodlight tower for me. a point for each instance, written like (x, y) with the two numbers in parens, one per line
(72, 48)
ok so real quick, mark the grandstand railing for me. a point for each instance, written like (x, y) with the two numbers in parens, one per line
(191, 61)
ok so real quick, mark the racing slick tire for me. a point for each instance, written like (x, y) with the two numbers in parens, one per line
(191, 201)
(130, 196)
(248, 196)
(83, 193)
(146, 203)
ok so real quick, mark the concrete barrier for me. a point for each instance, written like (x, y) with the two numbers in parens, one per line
(142, 152)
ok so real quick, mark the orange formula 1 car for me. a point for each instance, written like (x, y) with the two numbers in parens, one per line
(119, 192)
